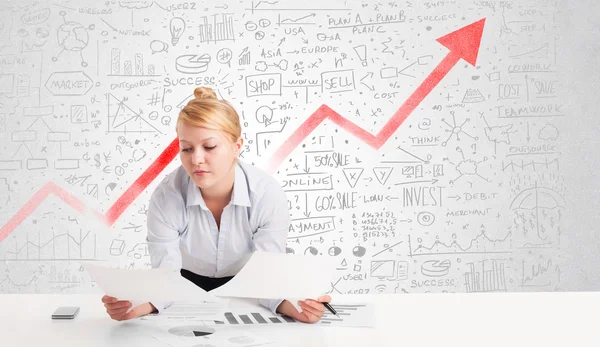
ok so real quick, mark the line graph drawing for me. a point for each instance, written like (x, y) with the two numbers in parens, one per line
(540, 274)
(59, 247)
(8, 281)
(297, 21)
(113, 212)
(479, 244)
(462, 44)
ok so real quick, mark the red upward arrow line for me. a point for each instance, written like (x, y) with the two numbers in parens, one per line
(114, 211)
(463, 44)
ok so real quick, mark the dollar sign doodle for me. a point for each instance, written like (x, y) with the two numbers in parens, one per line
(97, 160)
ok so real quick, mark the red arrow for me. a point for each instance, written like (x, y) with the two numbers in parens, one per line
(142, 182)
(113, 212)
(462, 43)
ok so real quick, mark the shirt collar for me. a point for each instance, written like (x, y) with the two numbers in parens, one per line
(240, 187)
(239, 195)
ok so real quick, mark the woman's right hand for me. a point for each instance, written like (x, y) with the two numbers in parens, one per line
(117, 310)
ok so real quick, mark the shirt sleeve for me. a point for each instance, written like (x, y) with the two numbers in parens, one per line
(164, 223)
(274, 224)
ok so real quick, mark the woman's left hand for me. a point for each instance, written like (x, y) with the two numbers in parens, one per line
(312, 310)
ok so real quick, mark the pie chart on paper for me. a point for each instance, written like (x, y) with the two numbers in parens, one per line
(191, 331)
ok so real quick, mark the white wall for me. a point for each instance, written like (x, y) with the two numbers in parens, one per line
(473, 192)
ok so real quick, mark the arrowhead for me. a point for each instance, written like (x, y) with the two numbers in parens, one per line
(465, 41)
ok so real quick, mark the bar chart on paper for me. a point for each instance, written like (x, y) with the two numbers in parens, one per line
(351, 315)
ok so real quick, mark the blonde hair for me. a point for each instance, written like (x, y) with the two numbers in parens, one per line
(206, 111)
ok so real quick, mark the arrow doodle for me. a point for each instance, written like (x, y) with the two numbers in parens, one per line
(462, 43)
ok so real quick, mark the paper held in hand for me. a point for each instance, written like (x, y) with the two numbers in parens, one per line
(277, 276)
(146, 285)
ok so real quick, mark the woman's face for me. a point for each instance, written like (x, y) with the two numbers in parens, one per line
(207, 155)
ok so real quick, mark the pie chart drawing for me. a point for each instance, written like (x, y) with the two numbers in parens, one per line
(435, 268)
(264, 115)
(312, 250)
(192, 63)
(335, 250)
(191, 330)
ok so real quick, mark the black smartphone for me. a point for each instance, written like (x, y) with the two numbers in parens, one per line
(65, 312)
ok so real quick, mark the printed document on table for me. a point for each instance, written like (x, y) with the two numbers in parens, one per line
(191, 311)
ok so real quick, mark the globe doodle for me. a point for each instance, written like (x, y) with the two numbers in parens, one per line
(73, 37)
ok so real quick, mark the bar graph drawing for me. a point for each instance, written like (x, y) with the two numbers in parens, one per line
(253, 318)
(348, 315)
(489, 279)
(129, 68)
(220, 29)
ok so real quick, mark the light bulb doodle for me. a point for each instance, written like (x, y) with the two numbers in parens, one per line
(177, 27)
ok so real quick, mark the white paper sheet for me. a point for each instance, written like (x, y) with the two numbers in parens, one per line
(349, 315)
(190, 311)
(275, 276)
(146, 285)
(183, 336)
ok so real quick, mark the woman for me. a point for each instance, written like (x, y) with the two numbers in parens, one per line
(209, 215)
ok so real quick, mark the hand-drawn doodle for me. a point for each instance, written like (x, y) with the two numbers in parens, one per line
(351, 108)
(192, 63)
(72, 36)
(176, 27)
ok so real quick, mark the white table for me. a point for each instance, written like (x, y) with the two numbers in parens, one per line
(490, 319)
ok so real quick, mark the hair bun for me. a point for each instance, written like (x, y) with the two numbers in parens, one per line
(204, 93)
